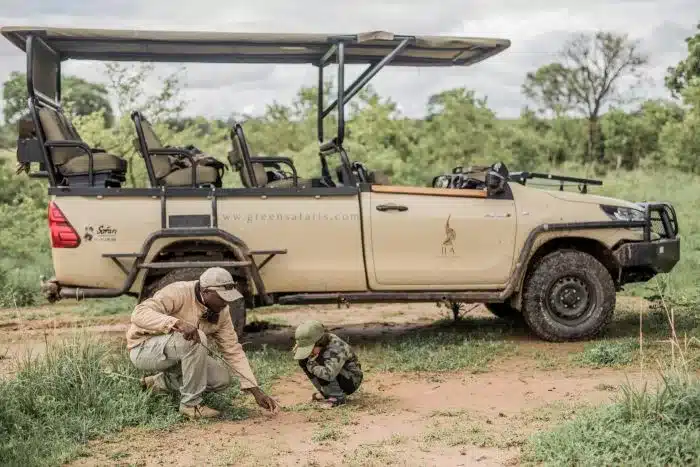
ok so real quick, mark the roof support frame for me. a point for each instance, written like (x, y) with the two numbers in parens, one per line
(375, 49)
(37, 97)
(345, 95)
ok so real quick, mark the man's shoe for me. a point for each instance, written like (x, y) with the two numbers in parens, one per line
(151, 382)
(198, 411)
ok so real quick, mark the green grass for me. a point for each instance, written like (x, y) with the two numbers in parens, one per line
(607, 353)
(442, 347)
(106, 306)
(642, 427)
(85, 388)
(327, 432)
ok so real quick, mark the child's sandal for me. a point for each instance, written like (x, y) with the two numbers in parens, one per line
(331, 402)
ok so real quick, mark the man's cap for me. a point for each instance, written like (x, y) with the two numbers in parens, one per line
(306, 336)
(220, 280)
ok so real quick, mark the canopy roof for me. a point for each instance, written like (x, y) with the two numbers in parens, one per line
(229, 47)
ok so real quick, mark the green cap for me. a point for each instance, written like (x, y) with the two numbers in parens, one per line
(306, 336)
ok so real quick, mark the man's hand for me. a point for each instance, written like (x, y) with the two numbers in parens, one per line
(263, 400)
(188, 331)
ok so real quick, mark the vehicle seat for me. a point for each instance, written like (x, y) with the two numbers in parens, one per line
(169, 164)
(235, 158)
(263, 177)
(72, 163)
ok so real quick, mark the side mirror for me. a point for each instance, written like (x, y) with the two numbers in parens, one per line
(495, 183)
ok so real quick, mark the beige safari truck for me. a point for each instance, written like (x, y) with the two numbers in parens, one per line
(346, 235)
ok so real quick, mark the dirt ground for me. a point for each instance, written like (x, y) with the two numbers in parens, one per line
(454, 418)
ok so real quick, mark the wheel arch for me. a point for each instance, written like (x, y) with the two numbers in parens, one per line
(592, 246)
(194, 250)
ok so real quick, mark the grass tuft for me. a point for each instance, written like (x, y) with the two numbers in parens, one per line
(77, 391)
(659, 428)
(607, 354)
(85, 388)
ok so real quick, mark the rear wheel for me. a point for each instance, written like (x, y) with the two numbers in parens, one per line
(237, 308)
(569, 295)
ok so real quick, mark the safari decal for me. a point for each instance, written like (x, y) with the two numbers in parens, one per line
(448, 244)
(103, 233)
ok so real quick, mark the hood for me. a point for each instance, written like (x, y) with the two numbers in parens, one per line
(591, 199)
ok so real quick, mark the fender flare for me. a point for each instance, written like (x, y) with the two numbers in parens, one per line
(239, 248)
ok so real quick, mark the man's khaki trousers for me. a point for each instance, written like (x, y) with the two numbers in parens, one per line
(184, 366)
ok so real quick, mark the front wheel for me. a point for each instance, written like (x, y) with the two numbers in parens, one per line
(569, 296)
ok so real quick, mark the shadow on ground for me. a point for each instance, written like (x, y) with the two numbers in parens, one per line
(259, 334)
(625, 324)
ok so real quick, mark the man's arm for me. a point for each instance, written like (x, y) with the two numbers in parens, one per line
(154, 313)
(333, 362)
(232, 351)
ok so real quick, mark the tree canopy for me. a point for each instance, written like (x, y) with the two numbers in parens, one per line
(687, 70)
(79, 97)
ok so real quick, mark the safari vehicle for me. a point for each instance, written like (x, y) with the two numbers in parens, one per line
(480, 235)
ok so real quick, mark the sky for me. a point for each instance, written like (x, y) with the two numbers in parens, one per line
(536, 28)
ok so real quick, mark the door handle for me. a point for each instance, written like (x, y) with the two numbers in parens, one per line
(493, 214)
(391, 207)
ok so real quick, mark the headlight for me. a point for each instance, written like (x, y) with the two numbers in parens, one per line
(620, 213)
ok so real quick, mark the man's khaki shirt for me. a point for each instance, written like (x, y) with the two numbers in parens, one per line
(158, 314)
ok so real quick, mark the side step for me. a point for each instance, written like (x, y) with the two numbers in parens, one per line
(495, 296)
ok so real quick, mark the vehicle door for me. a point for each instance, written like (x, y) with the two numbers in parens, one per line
(318, 227)
(438, 238)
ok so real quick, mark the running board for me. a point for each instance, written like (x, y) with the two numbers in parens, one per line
(495, 296)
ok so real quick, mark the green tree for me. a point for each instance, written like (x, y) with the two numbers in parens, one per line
(680, 140)
(586, 79)
(548, 87)
(679, 77)
(632, 138)
(460, 129)
(78, 96)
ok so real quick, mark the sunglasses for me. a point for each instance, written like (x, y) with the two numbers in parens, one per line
(222, 287)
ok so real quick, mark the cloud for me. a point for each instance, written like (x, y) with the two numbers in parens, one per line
(537, 29)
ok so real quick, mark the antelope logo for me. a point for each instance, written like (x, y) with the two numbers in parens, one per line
(450, 236)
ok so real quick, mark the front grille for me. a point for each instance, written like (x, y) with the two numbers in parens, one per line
(662, 220)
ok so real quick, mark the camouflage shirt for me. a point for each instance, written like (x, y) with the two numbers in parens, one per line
(336, 358)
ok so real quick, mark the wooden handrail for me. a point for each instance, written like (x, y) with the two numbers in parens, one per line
(417, 190)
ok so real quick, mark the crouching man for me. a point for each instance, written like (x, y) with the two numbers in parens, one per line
(165, 335)
(328, 362)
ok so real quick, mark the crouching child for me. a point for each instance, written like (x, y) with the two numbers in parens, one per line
(328, 362)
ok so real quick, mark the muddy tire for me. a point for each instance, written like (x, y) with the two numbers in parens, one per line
(568, 296)
(505, 312)
(237, 308)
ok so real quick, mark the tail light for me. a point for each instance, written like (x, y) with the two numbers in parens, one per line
(63, 235)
